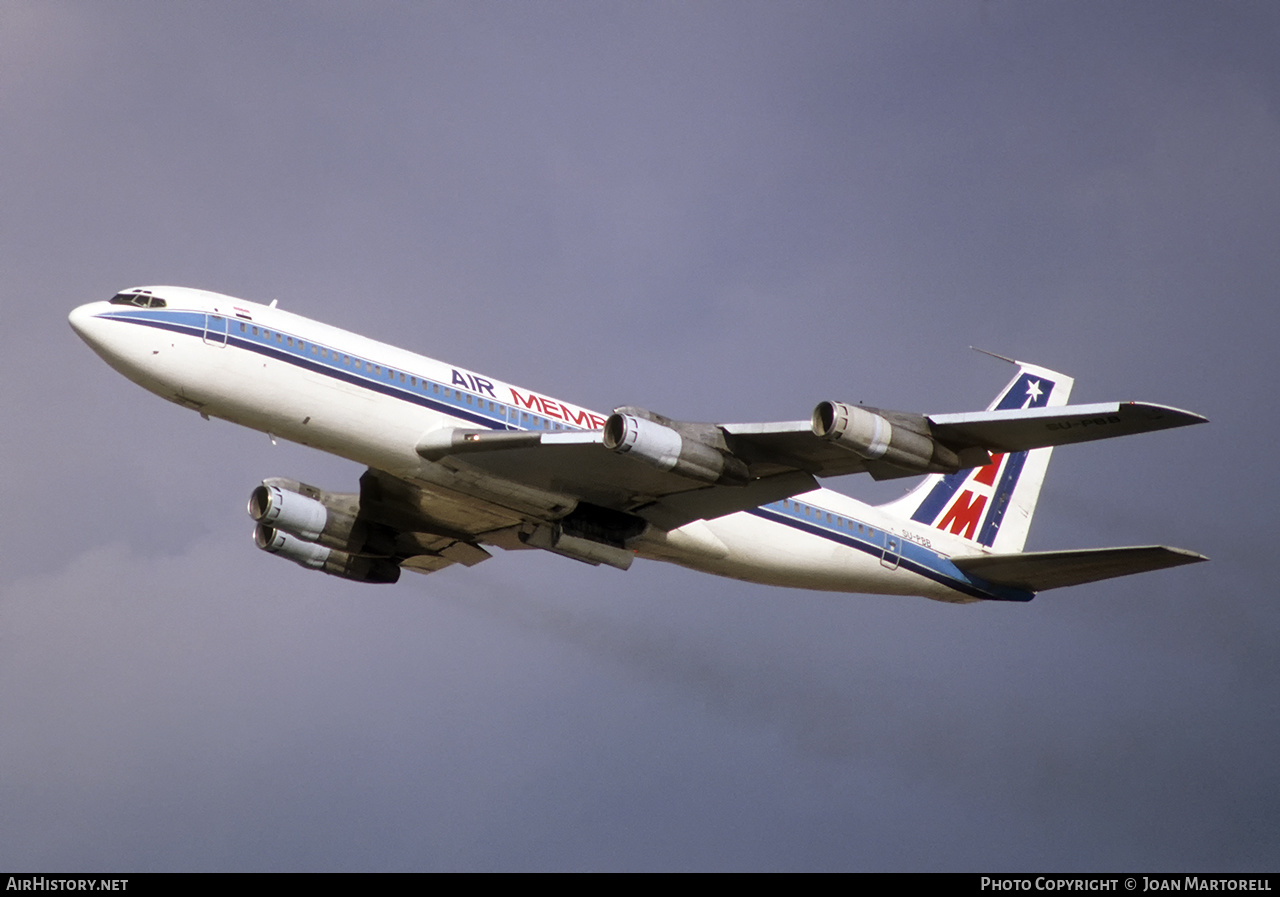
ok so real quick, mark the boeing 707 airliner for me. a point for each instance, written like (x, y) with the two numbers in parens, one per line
(459, 463)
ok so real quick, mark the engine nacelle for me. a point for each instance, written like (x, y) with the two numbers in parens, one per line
(875, 437)
(666, 448)
(326, 518)
(330, 560)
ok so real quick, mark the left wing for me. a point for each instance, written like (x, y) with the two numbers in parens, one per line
(369, 536)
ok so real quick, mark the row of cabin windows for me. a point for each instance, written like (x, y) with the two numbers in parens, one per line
(832, 519)
(514, 415)
(143, 299)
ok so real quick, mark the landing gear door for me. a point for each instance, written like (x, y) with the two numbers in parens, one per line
(215, 330)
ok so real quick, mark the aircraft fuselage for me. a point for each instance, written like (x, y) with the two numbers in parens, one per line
(297, 379)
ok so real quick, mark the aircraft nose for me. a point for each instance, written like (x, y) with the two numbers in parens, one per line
(78, 318)
(81, 320)
(85, 322)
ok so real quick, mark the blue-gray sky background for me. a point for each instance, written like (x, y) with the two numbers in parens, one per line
(721, 211)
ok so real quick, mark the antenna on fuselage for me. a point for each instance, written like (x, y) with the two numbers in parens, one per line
(273, 303)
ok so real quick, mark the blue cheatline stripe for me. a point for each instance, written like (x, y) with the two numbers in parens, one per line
(911, 557)
(193, 324)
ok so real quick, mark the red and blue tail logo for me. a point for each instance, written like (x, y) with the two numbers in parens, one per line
(973, 503)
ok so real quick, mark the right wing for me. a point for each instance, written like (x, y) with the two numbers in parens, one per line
(670, 473)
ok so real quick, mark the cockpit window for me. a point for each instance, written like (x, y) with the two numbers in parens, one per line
(141, 299)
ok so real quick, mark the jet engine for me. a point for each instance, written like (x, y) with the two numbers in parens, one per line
(669, 445)
(309, 513)
(901, 440)
(320, 530)
(331, 560)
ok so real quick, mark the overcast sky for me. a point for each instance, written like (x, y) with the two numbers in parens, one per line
(720, 211)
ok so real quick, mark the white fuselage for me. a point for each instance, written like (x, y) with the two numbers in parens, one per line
(371, 402)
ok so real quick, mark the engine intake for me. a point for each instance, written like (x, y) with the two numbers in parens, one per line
(903, 442)
(666, 448)
(311, 514)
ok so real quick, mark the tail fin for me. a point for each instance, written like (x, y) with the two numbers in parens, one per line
(992, 506)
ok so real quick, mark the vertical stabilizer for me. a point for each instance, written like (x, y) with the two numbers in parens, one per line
(992, 506)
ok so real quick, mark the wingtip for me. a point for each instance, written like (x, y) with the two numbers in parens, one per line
(1183, 417)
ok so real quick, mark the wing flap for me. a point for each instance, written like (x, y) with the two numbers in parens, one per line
(425, 563)
(1040, 570)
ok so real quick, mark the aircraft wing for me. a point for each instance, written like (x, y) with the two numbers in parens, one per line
(671, 473)
(367, 536)
(970, 437)
(426, 531)
(576, 466)
(792, 445)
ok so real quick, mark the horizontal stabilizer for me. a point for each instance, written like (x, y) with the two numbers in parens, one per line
(1039, 570)
(1021, 429)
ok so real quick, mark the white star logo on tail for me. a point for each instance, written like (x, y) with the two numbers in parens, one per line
(1033, 393)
